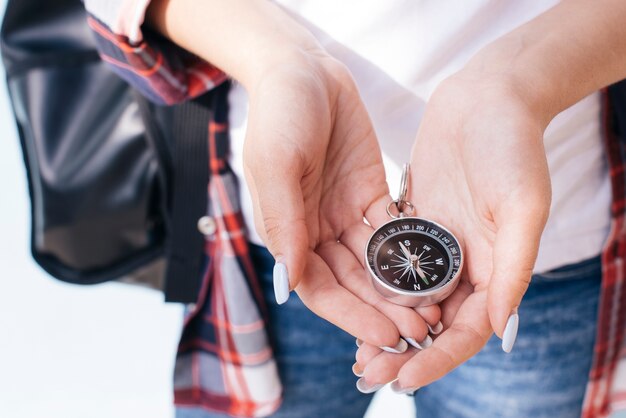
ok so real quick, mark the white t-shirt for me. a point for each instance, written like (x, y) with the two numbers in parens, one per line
(398, 52)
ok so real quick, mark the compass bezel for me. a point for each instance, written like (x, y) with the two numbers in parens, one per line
(416, 297)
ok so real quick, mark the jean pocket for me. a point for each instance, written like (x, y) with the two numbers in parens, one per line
(589, 268)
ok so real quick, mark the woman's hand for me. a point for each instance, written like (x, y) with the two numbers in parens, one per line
(315, 171)
(478, 168)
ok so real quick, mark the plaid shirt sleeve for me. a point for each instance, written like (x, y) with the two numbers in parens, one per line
(224, 362)
(606, 389)
(162, 71)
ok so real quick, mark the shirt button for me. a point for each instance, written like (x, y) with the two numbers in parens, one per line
(206, 225)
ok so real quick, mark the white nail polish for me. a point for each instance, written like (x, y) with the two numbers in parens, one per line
(356, 371)
(412, 342)
(436, 329)
(395, 387)
(365, 388)
(425, 343)
(281, 283)
(510, 333)
(399, 348)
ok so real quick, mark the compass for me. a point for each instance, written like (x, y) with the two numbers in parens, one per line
(413, 261)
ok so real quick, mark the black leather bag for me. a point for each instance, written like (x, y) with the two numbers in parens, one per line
(100, 169)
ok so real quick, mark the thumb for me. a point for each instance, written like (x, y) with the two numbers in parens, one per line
(514, 255)
(280, 219)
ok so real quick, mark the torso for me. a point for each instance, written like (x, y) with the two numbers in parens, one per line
(399, 51)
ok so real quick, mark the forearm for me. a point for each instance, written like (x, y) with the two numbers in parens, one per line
(244, 38)
(555, 60)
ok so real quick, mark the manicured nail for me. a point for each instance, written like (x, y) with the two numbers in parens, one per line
(436, 329)
(363, 387)
(399, 348)
(425, 343)
(395, 387)
(359, 342)
(356, 370)
(510, 332)
(281, 283)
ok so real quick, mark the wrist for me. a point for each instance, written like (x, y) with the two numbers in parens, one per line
(312, 76)
(494, 106)
(243, 38)
(517, 80)
(561, 56)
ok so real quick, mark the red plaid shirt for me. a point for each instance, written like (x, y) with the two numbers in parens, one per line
(224, 362)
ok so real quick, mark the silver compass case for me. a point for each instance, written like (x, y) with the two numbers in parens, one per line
(414, 261)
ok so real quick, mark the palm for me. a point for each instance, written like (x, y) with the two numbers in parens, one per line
(334, 178)
(490, 165)
(479, 168)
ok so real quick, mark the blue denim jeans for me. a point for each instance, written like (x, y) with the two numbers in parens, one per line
(546, 373)
(544, 376)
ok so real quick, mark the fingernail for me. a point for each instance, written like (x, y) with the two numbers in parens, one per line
(425, 343)
(399, 348)
(359, 342)
(281, 283)
(356, 370)
(395, 387)
(363, 387)
(510, 332)
(436, 329)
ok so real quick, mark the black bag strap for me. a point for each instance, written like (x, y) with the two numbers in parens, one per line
(156, 121)
(189, 199)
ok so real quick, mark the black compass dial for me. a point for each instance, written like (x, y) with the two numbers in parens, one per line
(413, 254)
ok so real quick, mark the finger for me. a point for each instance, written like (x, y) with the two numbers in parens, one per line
(376, 213)
(352, 276)
(321, 293)
(514, 254)
(467, 334)
(280, 217)
(451, 305)
(355, 239)
(432, 315)
(384, 367)
(366, 353)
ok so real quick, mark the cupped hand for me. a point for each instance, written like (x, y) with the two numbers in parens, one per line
(479, 168)
(315, 171)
